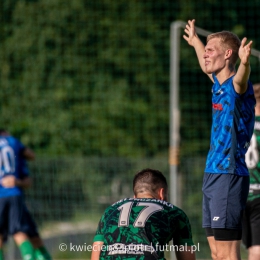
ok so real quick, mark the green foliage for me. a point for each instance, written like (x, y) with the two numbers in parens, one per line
(85, 78)
(92, 77)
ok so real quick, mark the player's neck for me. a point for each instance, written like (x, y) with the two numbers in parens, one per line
(145, 196)
(224, 74)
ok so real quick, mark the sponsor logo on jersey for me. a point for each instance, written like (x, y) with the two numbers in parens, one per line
(215, 218)
(219, 92)
(135, 249)
(217, 106)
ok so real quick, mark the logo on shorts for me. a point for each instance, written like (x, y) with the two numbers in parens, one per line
(215, 218)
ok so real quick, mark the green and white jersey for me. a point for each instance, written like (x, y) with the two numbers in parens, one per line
(253, 162)
(141, 228)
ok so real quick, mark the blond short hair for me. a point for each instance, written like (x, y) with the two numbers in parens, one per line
(228, 40)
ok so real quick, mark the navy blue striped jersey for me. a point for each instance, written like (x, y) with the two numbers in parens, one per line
(233, 118)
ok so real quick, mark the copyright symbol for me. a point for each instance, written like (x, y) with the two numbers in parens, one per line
(63, 247)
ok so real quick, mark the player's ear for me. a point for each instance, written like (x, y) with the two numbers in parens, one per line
(161, 194)
(228, 53)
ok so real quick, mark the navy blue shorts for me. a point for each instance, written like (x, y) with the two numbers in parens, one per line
(33, 230)
(12, 216)
(224, 199)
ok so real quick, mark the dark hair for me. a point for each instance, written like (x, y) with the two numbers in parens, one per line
(3, 131)
(149, 180)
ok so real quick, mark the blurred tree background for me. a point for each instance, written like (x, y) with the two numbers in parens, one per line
(87, 77)
(85, 84)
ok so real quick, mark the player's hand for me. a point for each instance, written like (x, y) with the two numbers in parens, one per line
(8, 182)
(190, 31)
(245, 51)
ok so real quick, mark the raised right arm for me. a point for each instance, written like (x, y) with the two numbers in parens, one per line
(193, 40)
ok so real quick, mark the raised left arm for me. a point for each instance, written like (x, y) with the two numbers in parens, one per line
(243, 72)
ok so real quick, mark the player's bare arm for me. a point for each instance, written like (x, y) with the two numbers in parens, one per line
(10, 181)
(243, 72)
(96, 249)
(193, 40)
(186, 255)
(28, 154)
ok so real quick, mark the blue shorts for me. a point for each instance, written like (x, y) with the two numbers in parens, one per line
(12, 216)
(224, 199)
(33, 230)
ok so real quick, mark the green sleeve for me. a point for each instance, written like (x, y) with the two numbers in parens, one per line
(98, 238)
(183, 234)
(99, 234)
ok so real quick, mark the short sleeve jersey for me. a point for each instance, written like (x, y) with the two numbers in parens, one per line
(10, 158)
(233, 117)
(139, 228)
(253, 162)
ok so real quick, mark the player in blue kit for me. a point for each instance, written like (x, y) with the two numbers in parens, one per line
(12, 217)
(226, 177)
(40, 251)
